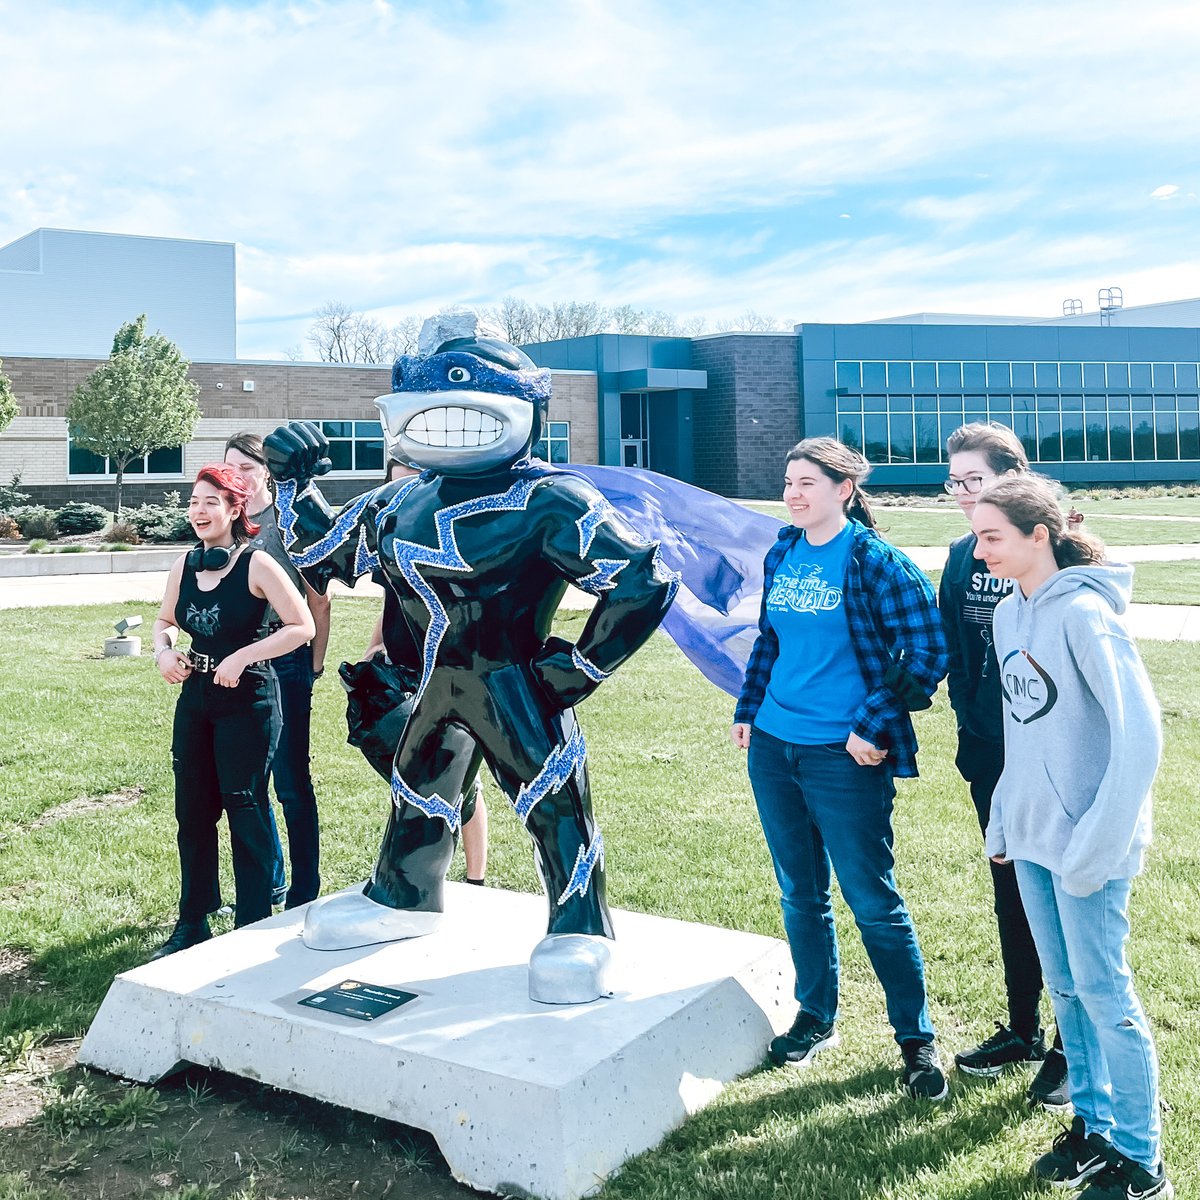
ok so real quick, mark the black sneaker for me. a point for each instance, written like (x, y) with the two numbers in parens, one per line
(185, 934)
(1123, 1179)
(923, 1078)
(806, 1038)
(1003, 1049)
(1049, 1088)
(1073, 1158)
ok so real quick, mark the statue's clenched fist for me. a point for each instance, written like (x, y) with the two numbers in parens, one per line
(297, 450)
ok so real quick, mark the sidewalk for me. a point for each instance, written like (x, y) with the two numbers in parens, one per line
(1155, 622)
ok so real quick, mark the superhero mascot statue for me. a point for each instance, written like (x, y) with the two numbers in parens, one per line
(479, 549)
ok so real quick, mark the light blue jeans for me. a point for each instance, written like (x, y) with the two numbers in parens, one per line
(1106, 1038)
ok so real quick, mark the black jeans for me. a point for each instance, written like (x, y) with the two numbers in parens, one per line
(222, 746)
(980, 762)
(292, 773)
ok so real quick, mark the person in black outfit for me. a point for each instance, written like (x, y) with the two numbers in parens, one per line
(227, 716)
(296, 673)
(967, 597)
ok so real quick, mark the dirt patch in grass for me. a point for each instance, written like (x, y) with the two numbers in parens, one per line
(213, 1134)
(125, 797)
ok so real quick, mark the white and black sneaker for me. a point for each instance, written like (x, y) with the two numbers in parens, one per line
(1005, 1048)
(1123, 1179)
(1073, 1158)
(805, 1039)
(923, 1077)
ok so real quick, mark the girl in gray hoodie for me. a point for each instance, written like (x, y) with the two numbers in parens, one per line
(1082, 739)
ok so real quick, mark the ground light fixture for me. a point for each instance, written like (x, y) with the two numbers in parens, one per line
(124, 646)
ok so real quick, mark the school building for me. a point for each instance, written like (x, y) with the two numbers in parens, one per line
(1106, 397)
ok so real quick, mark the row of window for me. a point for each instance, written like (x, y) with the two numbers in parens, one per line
(353, 446)
(1047, 437)
(910, 376)
(1005, 404)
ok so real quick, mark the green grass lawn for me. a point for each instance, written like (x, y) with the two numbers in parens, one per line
(87, 893)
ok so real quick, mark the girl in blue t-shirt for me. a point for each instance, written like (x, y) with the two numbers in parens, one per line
(849, 640)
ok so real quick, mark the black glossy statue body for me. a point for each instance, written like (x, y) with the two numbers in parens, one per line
(480, 563)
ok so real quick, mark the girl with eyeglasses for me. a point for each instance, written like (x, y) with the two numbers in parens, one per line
(979, 455)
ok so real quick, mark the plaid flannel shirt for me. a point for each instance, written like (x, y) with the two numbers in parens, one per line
(893, 617)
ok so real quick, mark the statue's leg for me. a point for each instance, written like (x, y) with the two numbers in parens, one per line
(403, 897)
(539, 760)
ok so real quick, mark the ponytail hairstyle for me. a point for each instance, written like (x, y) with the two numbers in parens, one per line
(1030, 500)
(229, 482)
(997, 443)
(838, 462)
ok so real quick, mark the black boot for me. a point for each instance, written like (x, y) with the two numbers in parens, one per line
(184, 935)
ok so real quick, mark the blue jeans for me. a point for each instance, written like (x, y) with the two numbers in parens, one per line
(821, 810)
(1106, 1038)
(293, 780)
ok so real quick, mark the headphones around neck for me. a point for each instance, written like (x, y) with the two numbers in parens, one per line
(214, 558)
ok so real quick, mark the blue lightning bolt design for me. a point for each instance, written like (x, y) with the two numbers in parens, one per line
(604, 577)
(562, 763)
(338, 535)
(590, 669)
(598, 512)
(661, 569)
(411, 555)
(366, 559)
(431, 806)
(585, 864)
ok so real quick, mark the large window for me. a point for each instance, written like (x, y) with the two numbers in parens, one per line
(355, 445)
(81, 462)
(902, 412)
(554, 446)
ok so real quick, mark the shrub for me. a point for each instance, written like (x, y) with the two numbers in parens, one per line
(76, 518)
(123, 531)
(34, 521)
(8, 527)
(159, 522)
(11, 495)
(37, 546)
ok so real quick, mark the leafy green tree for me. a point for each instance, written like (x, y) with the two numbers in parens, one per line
(8, 402)
(140, 401)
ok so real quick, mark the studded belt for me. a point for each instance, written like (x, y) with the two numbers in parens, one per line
(202, 662)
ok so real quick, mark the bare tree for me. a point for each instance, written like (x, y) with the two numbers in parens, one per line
(626, 319)
(749, 322)
(332, 332)
(661, 324)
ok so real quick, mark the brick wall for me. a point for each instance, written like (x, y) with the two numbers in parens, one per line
(35, 444)
(750, 416)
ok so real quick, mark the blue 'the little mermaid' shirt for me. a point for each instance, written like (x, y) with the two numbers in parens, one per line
(816, 685)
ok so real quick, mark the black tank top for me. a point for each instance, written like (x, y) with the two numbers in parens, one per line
(225, 619)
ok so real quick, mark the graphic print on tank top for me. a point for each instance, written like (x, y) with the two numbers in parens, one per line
(205, 621)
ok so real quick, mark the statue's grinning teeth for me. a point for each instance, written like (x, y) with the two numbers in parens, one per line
(454, 427)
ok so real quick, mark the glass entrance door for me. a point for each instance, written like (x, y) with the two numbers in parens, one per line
(631, 454)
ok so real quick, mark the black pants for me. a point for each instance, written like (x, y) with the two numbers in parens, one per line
(980, 762)
(222, 746)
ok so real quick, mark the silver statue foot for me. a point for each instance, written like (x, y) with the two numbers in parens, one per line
(569, 968)
(349, 920)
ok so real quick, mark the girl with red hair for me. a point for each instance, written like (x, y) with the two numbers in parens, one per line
(227, 715)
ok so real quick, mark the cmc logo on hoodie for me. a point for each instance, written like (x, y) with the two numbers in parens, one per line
(1027, 687)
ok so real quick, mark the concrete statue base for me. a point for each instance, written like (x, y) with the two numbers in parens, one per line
(523, 1098)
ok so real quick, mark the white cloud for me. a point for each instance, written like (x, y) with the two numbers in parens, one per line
(1166, 192)
(392, 155)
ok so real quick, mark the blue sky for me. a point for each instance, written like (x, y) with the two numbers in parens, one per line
(807, 161)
